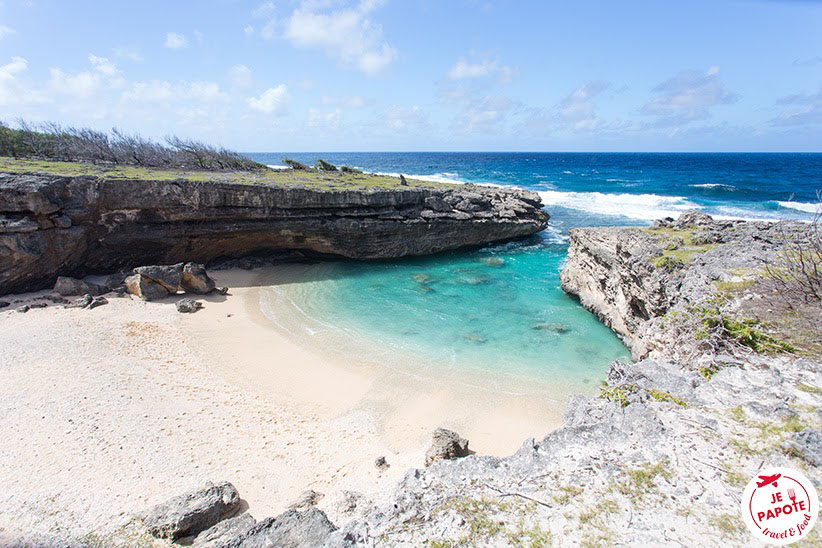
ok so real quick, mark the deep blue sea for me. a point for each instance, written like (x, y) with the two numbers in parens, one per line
(500, 309)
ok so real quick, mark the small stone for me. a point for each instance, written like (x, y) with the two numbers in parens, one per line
(97, 301)
(38, 305)
(4, 304)
(23, 309)
(221, 291)
(381, 463)
(84, 301)
(188, 306)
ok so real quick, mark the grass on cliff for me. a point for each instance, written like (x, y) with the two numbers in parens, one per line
(309, 179)
(679, 247)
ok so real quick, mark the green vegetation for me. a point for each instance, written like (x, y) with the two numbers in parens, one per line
(567, 492)
(294, 164)
(642, 480)
(732, 287)
(679, 247)
(619, 394)
(309, 179)
(660, 395)
(322, 165)
(728, 524)
(809, 389)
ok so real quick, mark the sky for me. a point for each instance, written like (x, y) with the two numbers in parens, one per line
(423, 75)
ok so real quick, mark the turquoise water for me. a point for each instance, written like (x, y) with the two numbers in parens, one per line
(497, 310)
(500, 309)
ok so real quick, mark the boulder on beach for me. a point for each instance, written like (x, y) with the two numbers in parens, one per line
(306, 499)
(217, 535)
(69, 287)
(195, 279)
(168, 276)
(193, 512)
(446, 445)
(145, 287)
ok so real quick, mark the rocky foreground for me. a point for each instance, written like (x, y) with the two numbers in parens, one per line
(659, 458)
(53, 225)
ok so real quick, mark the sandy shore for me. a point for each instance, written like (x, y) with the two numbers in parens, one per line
(107, 411)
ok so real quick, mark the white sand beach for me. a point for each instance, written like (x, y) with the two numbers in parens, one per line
(104, 412)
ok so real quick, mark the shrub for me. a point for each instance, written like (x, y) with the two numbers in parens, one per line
(294, 164)
(322, 165)
(52, 141)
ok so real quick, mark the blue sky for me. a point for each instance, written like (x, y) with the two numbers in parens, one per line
(373, 75)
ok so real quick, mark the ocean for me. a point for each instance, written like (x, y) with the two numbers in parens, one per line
(499, 310)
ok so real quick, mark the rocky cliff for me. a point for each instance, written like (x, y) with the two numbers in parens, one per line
(53, 225)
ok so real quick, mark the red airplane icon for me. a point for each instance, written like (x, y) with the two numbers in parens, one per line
(767, 480)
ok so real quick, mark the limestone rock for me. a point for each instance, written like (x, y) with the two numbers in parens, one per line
(446, 445)
(195, 279)
(192, 513)
(145, 288)
(807, 445)
(289, 529)
(123, 223)
(217, 535)
(167, 276)
(188, 306)
(97, 301)
(69, 287)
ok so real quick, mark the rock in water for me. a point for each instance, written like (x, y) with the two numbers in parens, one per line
(69, 287)
(291, 528)
(555, 327)
(196, 280)
(188, 306)
(189, 514)
(446, 445)
(145, 288)
(168, 276)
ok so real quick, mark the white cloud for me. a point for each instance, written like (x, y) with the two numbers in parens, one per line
(687, 97)
(131, 55)
(175, 41)
(483, 115)
(78, 84)
(240, 76)
(578, 107)
(5, 31)
(802, 109)
(328, 120)
(162, 91)
(352, 101)
(264, 10)
(271, 101)
(464, 70)
(13, 91)
(347, 34)
(401, 118)
(248, 30)
(103, 65)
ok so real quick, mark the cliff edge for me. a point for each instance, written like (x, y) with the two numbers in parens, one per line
(54, 225)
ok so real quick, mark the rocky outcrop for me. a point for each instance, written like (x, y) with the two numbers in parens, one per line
(70, 226)
(632, 277)
(192, 513)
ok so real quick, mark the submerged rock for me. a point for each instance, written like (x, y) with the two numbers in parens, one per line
(553, 327)
(192, 513)
(474, 338)
(446, 445)
(493, 261)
